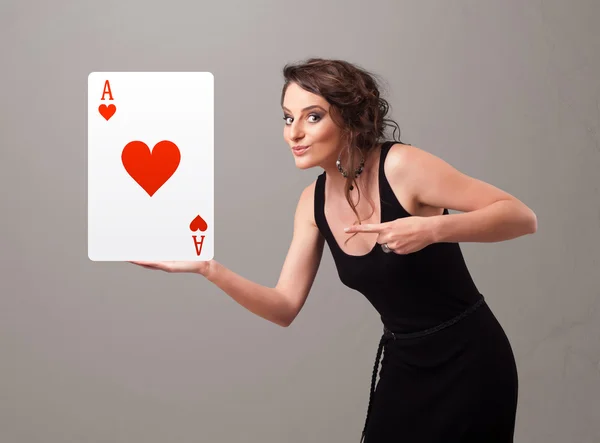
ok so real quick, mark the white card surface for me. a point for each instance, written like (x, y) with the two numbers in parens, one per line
(150, 166)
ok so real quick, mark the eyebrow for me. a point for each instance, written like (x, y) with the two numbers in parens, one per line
(307, 108)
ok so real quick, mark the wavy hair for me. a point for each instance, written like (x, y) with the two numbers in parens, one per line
(356, 106)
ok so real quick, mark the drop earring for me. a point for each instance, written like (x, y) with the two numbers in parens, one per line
(357, 171)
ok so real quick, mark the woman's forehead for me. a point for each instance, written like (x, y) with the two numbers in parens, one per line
(299, 99)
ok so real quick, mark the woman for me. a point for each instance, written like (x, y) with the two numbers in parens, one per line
(448, 372)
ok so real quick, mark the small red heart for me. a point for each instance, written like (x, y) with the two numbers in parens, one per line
(198, 223)
(151, 170)
(107, 111)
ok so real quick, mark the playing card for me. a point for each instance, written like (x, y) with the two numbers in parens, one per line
(150, 166)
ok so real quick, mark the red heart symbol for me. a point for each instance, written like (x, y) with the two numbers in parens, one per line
(151, 170)
(198, 224)
(107, 111)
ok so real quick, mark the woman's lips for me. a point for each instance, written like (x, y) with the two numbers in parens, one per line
(300, 151)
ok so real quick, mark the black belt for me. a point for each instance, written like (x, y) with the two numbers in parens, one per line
(389, 335)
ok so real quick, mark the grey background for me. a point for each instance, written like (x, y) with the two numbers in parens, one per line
(506, 91)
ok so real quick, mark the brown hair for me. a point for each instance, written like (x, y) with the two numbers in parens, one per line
(356, 106)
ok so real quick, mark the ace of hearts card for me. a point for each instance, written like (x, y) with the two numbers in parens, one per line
(150, 166)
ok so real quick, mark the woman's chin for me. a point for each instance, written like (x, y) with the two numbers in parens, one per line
(303, 163)
(306, 162)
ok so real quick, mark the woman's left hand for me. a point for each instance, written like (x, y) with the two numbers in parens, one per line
(403, 235)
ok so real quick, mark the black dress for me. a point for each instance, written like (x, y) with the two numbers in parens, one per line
(448, 372)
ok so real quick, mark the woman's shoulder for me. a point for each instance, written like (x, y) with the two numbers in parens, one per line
(306, 203)
(402, 158)
(400, 152)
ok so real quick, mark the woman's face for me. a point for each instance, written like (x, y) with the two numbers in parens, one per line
(308, 123)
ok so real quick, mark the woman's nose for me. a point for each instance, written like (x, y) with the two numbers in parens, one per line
(295, 131)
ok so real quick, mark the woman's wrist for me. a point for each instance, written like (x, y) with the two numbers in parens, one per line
(207, 269)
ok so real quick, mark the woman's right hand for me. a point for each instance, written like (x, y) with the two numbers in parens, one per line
(193, 267)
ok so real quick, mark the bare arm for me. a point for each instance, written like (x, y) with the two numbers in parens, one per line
(282, 303)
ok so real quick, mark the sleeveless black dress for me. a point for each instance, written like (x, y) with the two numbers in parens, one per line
(448, 372)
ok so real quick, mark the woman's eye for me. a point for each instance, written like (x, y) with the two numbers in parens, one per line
(318, 117)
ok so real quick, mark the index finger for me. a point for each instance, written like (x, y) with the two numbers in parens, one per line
(369, 227)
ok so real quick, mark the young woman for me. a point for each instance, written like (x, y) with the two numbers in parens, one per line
(448, 373)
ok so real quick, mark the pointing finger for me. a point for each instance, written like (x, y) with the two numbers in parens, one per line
(373, 227)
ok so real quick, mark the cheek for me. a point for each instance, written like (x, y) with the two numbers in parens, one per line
(325, 131)
(286, 132)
